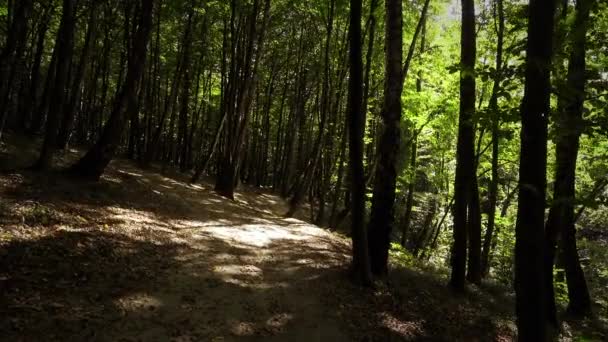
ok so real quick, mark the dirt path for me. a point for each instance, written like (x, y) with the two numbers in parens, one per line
(244, 273)
(149, 257)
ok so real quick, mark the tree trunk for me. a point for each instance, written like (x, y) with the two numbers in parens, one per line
(12, 54)
(474, 232)
(305, 181)
(529, 228)
(69, 114)
(382, 214)
(41, 110)
(238, 122)
(185, 100)
(33, 96)
(360, 262)
(561, 215)
(92, 165)
(369, 55)
(409, 202)
(410, 52)
(64, 46)
(338, 187)
(169, 105)
(493, 188)
(465, 156)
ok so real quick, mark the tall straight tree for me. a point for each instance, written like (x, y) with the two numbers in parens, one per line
(569, 123)
(71, 107)
(31, 100)
(92, 165)
(12, 52)
(465, 156)
(382, 215)
(529, 228)
(420, 29)
(305, 180)
(246, 52)
(360, 263)
(499, 17)
(64, 47)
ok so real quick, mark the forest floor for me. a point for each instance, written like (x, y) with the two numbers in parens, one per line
(145, 256)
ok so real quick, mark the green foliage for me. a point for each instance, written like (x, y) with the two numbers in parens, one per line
(400, 255)
(595, 262)
(38, 214)
(560, 286)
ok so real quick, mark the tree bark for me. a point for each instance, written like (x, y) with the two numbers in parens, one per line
(561, 215)
(33, 95)
(64, 46)
(70, 113)
(493, 188)
(529, 228)
(230, 159)
(182, 131)
(410, 52)
(92, 165)
(465, 158)
(305, 181)
(474, 232)
(409, 202)
(12, 53)
(360, 262)
(382, 214)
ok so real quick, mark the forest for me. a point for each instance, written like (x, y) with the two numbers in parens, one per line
(312, 170)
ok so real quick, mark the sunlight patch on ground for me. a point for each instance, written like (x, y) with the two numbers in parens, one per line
(279, 320)
(237, 270)
(243, 328)
(275, 324)
(253, 234)
(130, 173)
(292, 220)
(224, 257)
(111, 178)
(137, 216)
(196, 187)
(407, 329)
(138, 301)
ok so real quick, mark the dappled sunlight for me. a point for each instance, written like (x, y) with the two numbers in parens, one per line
(224, 258)
(238, 270)
(171, 251)
(130, 173)
(243, 328)
(252, 234)
(405, 329)
(174, 251)
(275, 324)
(138, 217)
(138, 301)
(279, 320)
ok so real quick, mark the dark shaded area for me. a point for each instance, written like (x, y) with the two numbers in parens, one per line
(417, 306)
(69, 286)
(65, 285)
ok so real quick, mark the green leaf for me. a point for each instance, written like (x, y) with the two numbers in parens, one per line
(504, 94)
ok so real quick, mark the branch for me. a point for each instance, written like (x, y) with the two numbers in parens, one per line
(410, 52)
